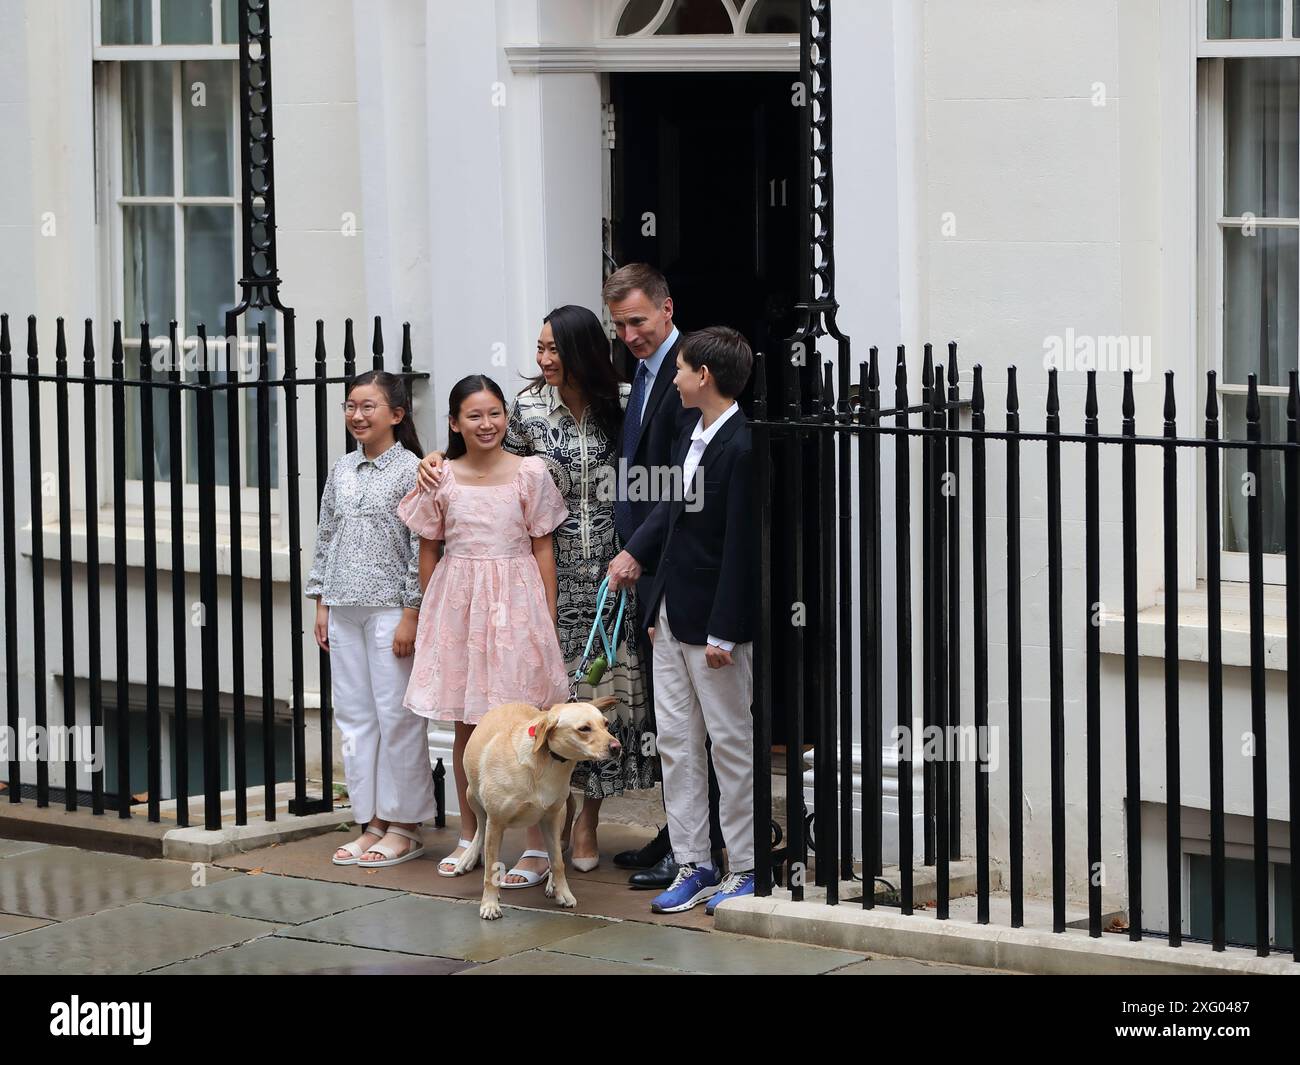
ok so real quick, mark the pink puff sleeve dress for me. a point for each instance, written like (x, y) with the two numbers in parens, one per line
(485, 634)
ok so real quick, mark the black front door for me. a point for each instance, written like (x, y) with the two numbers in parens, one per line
(705, 187)
(705, 182)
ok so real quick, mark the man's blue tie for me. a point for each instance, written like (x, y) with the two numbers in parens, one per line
(631, 435)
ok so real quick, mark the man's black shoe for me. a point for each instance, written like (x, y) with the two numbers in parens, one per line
(660, 875)
(651, 854)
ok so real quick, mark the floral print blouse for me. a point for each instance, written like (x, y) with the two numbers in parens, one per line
(365, 554)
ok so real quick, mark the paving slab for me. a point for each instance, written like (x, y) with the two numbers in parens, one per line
(550, 963)
(279, 899)
(65, 882)
(11, 847)
(883, 966)
(275, 955)
(703, 952)
(11, 924)
(443, 928)
(123, 941)
(603, 892)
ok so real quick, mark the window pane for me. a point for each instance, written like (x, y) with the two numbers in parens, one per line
(210, 287)
(696, 16)
(186, 21)
(221, 427)
(230, 21)
(1283, 920)
(250, 420)
(125, 22)
(1272, 489)
(149, 268)
(1238, 899)
(1261, 113)
(146, 129)
(1259, 305)
(1244, 18)
(135, 400)
(208, 128)
(774, 16)
(636, 16)
(137, 741)
(255, 315)
(209, 268)
(216, 364)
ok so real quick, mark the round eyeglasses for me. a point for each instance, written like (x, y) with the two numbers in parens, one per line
(367, 409)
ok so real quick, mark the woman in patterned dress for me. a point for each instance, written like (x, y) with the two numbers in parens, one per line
(571, 416)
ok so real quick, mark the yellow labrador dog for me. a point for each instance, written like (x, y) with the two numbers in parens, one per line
(517, 769)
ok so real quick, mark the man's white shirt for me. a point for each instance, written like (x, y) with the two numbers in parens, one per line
(652, 365)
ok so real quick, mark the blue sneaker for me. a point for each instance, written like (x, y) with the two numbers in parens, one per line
(692, 886)
(733, 887)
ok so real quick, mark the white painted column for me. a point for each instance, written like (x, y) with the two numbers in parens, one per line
(875, 68)
(514, 200)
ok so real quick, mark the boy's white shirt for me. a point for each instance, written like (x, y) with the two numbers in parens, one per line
(700, 438)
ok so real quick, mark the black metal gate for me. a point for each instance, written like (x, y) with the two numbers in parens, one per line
(212, 374)
(820, 418)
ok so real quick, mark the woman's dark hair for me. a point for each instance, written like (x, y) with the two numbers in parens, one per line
(584, 354)
(461, 391)
(397, 396)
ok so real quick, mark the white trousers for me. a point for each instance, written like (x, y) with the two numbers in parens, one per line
(385, 746)
(693, 702)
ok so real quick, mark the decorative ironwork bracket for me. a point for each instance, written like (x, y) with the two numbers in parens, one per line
(815, 313)
(260, 283)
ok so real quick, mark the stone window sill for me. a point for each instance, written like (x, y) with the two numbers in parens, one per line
(250, 557)
(1194, 627)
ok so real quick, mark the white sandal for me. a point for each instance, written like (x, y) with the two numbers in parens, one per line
(391, 856)
(531, 879)
(355, 850)
(461, 844)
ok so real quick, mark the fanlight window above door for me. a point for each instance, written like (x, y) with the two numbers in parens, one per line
(666, 18)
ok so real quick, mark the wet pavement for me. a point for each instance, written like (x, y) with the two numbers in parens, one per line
(287, 909)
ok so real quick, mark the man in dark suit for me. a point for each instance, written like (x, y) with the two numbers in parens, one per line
(641, 308)
(700, 612)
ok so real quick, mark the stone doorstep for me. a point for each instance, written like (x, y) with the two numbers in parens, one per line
(140, 838)
(1025, 950)
(963, 879)
(963, 887)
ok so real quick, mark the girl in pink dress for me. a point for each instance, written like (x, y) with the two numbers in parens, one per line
(487, 625)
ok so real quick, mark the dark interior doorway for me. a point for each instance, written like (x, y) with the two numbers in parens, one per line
(705, 187)
(705, 180)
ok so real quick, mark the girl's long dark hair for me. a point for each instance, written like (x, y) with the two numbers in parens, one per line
(461, 391)
(397, 396)
(584, 354)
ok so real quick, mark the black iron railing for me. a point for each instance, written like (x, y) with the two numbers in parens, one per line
(857, 420)
(164, 377)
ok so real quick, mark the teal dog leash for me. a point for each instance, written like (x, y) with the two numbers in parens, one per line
(591, 671)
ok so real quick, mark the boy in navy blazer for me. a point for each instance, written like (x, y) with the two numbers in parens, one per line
(700, 610)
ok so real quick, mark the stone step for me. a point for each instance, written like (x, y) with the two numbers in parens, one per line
(137, 836)
(963, 903)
